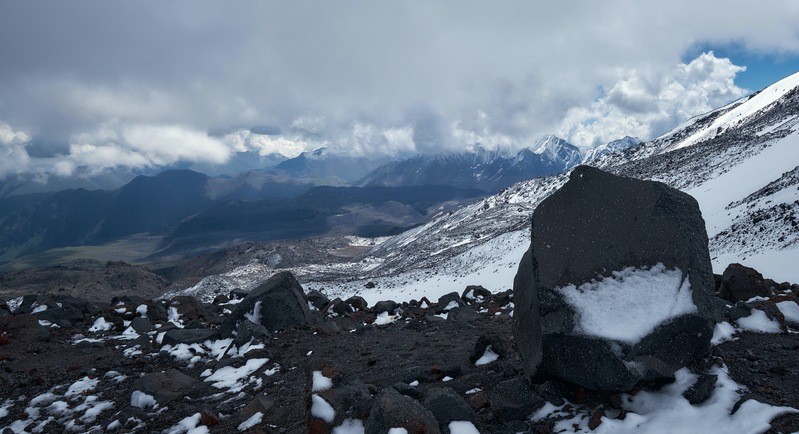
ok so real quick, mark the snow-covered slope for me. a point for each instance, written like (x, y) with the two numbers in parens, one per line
(745, 176)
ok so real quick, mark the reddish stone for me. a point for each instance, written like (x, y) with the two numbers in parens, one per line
(4, 340)
(596, 419)
(478, 400)
(317, 426)
(208, 419)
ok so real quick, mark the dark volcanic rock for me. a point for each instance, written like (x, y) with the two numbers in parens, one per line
(514, 400)
(463, 314)
(450, 300)
(317, 299)
(526, 316)
(473, 291)
(392, 410)
(598, 223)
(740, 283)
(142, 325)
(385, 306)
(167, 386)
(24, 328)
(279, 303)
(188, 307)
(248, 331)
(702, 389)
(357, 302)
(447, 406)
(588, 362)
(498, 344)
(188, 336)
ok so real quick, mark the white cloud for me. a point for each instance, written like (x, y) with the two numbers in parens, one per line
(645, 103)
(13, 155)
(140, 146)
(263, 144)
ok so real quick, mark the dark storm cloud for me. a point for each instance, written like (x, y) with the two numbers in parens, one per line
(92, 78)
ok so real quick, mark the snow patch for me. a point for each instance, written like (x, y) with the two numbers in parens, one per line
(758, 322)
(630, 303)
(253, 420)
(488, 356)
(462, 427)
(320, 382)
(321, 409)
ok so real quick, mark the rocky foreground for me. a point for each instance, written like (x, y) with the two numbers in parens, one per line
(341, 366)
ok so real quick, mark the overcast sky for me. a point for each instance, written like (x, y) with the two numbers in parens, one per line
(145, 84)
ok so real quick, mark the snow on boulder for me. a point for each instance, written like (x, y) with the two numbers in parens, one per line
(277, 304)
(617, 286)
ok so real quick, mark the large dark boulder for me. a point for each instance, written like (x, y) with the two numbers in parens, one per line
(277, 304)
(618, 235)
(740, 283)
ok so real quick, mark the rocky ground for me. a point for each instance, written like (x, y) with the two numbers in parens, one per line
(176, 366)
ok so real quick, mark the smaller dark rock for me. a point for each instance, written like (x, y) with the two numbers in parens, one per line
(740, 283)
(339, 307)
(188, 307)
(221, 299)
(463, 314)
(141, 325)
(514, 400)
(702, 389)
(448, 301)
(447, 406)
(167, 386)
(385, 306)
(247, 331)
(317, 299)
(408, 390)
(472, 292)
(188, 336)
(238, 294)
(370, 285)
(393, 410)
(262, 404)
(357, 303)
(499, 345)
(596, 419)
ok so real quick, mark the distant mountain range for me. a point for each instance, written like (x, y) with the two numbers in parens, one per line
(489, 170)
(377, 197)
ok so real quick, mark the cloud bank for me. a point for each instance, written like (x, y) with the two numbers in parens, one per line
(149, 84)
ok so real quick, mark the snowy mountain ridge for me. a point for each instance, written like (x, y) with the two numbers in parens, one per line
(744, 177)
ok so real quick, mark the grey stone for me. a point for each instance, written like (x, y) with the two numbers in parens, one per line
(740, 283)
(261, 403)
(385, 306)
(473, 291)
(499, 345)
(463, 314)
(188, 336)
(598, 223)
(281, 303)
(513, 400)
(357, 302)
(447, 406)
(142, 325)
(446, 299)
(392, 410)
(167, 386)
(702, 389)
(248, 331)
(526, 316)
(317, 299)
